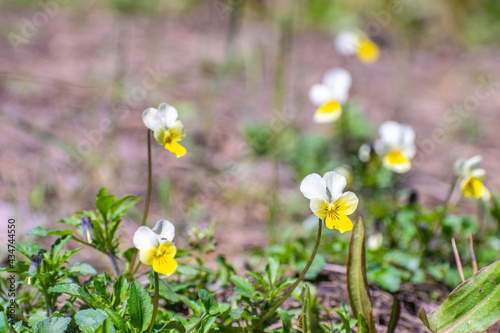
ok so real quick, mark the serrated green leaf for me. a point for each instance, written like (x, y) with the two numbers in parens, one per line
(35, 318)
(39, 231)
(209, 302)
(27, 249)
(286, 321)
(53, 324)
(357, 285)
(471, 307)
(84, 269)
(117, 320)
(72, 289)
(243, 286)
(90, 320)
(120, 289)
(139, 307)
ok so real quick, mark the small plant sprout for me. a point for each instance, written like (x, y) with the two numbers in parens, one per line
(88, 234)
(167, 129)
(470, 177)
(156, 248)
(327, 200)
(396, 146)
(330, 95)
(351, 42)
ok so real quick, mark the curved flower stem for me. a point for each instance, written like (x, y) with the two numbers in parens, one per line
(292, 288)
(132, 270)
(155, 302)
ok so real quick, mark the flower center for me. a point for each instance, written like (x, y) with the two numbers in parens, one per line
(396, 157)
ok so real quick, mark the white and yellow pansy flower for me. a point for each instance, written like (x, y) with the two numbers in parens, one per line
(396, 146)
(156, 248)
(327, 200)
(471, 177)
(352, 42)
(330, 95)
(167, 129)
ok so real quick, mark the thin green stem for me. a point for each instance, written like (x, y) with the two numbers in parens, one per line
(197, 323)
(301, 277)
(132, 270)
(447, 200)
(155, 302)
(114, 263)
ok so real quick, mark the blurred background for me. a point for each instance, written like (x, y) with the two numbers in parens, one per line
(75, 77)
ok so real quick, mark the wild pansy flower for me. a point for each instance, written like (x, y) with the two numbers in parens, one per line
(88, 234)
(471, 177)
(330, 95)
(167, 129)
(327, 200)
(156, 248)
(36, 263)
(352, 42)
(396, 146)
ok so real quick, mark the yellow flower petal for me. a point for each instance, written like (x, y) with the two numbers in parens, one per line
(175, 148)
(160, 135)
(339, 221)
(367, 51)
(473, 188)
(148, 255)
(167, 249)
(397, 162)
(165, 265)
(346, 204)
(328, 112)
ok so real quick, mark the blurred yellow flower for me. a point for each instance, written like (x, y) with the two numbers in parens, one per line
(330, 95)
(327, 200)
(156, 248)
(471, 177)
(351, 42)
(167, 129)
(396, 146)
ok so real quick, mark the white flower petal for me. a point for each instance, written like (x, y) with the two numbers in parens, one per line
(145, 238)
(314, 187)
(406, 135)
(347, 42)
(409, 151)
(389, 133)
(169, 113)
(335, 184)
(319, 94)
(164, 230)
(346, 203)
(319, 207)
(458, 167)
(152, 119)
(338, 81)
(473, 162)
(477, 173)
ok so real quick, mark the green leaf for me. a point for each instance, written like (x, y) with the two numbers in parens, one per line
(4, 322)
(90, 320)
(207, 323)
(236, 313)
(35, 318)
(104, 202)
(27, 249)
(139, 307)
(362, 326)
(56, 249)
(54, 324)
(357, 286)
(84, 269)
(120, 289)
(243, 286)
(117, 320)
(209, 302)
(471, 307)
(272, 269)
(395, 314)
(39, 231)
(72, 289)
(259, 278)
(285, 320)
(174, 325)
(306, 309)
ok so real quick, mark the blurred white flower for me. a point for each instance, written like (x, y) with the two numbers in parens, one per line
(471, 177)
(364, 153)
(396, 146)
(330, 95)
(351, 42)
